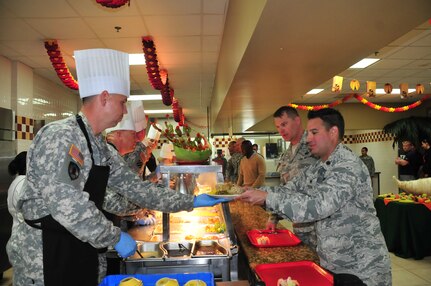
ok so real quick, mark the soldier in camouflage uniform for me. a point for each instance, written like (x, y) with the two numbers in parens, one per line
(296, 158)
(335, 193)
(232, 166)
(69, 167)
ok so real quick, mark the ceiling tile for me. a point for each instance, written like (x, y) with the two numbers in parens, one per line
(211, 43)
(18, 30)
(34, 9)
(390, 64)
(177, 44)
(174, 25)
(411, 53)
(127, 45)
(54, 28)
(215, 7)
(213, 25)
(170, 7)
(131, 26)
(68, 46)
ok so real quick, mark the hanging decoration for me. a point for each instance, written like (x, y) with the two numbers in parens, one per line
(337, 83)
(151, 62)
(420, 89)
(158, 78)
(59, 65)
(363, 101)
(354, 84)
(388, 88)
(404, 90)
(371, 88)
(175, 110)
(113, 3)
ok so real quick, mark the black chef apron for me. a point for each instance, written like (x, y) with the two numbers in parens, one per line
(66, 259)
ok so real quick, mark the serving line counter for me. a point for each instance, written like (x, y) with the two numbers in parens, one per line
(202, 240)
(406, 227)
(246, 217)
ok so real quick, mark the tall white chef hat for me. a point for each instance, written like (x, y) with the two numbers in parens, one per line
(138, 113)
(167, 151)
(126, 123)
(102, 69)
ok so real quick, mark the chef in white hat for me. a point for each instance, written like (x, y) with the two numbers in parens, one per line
(68, 171)
(123, 136)
(142, 153)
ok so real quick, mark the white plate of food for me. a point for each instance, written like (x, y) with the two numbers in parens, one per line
(224, 196)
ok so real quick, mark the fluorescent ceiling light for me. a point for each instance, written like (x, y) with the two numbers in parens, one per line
(145, 97)
(158, 111)
(315, 91)
(136, 59)
(364, 63)
(394, 91)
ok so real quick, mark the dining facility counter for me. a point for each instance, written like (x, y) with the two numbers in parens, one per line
(246, 217)
(406, 228)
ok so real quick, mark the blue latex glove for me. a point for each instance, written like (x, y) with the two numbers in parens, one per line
(126, 246)
(205, 200)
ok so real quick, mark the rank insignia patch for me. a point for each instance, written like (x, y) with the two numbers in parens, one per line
(76, 154)
(73, 171)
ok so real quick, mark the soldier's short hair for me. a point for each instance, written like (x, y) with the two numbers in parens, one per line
(288, 110)
(330, 118)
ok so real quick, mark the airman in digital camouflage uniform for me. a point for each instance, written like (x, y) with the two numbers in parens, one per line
(296, 158)
(335, 193)
(69, 168)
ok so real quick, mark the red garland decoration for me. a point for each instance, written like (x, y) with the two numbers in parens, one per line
(151, 62)
(113, 3)
(391, 109)
(363, 101)
(167, 94)
(59, 65)
(176, 110)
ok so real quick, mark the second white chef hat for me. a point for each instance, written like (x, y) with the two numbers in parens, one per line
(139, 117)
(126, 123)
(102, 69)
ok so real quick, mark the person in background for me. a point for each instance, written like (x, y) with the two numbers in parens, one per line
(368, 161)
(255, 147)
(232, 167)
(221, 160)
(252, 168)
(296, 158)
(426, 167)
(335, 193)
(144, 147)
(69, 169)
(17, 168)
(409, 162)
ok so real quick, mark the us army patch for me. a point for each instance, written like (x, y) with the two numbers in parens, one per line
(73, 171)
(76, 154)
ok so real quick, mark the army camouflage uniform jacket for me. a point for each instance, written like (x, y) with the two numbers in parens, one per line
(232, 168)
(337, 196)
(291, 163)
(51, 188)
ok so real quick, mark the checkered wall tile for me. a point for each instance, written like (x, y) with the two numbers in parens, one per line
(368, 137)
(221, 142)
(24, 128)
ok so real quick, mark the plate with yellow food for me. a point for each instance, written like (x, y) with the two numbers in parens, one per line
(226, 190)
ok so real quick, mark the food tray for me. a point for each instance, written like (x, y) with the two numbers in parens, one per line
(151, 279)
(281, 237)
(147, 251)
(177, 250)
(208, 248)
(307, 273)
